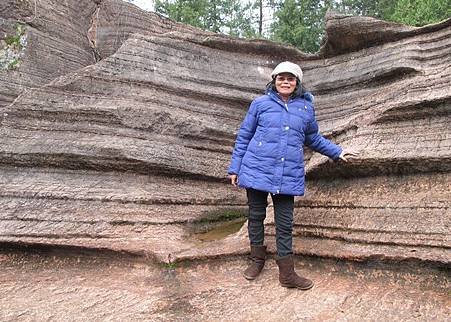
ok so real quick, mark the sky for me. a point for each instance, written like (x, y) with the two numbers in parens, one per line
(144, 4)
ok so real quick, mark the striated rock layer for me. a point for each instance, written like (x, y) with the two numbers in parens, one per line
(56, 42)
(63, 36)
(130, 152)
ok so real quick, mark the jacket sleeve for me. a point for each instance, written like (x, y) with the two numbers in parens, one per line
(318, 143)
(245, 134)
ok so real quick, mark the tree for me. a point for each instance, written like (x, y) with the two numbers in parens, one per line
(262, 14)
(421, 12)
(409, 12)
(223, 16)
(381, 9)
(236, 18)
(300, 23)
(191, 12)
(297, 22)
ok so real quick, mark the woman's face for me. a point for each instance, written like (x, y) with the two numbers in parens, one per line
(285, 84)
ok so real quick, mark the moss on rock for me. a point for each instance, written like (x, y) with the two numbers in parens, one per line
(12, 48)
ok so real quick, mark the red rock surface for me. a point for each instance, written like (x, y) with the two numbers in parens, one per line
(47, 285)
(120, 139)
(115, 135)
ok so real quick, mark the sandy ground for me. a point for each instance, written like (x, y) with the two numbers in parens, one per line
(74, 285)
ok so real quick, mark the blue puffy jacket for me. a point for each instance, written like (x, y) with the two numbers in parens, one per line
(269, 148)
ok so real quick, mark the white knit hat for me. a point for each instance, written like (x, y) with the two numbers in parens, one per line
(288, 67)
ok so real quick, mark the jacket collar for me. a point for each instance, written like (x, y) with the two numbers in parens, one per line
(275, 96)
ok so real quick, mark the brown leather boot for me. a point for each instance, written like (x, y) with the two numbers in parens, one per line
(288, 277)
(258, 257)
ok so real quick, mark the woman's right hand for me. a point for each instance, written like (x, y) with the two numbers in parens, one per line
(233, 179)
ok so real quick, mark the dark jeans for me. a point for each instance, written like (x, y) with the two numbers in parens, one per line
(283, 217)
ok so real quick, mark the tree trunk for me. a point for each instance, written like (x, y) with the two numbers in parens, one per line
(260, 21)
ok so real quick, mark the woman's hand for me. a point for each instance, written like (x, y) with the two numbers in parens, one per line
(233, 179)
(347, 155)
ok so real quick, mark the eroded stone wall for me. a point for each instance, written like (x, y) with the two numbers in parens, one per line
(130, 145)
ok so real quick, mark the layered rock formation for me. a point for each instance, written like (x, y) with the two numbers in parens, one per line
(60, 37)
(56, 42)
(126, 153)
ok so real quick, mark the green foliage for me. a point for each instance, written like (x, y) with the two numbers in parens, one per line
(170, 266)
(14, 40)
(12, 49)
(421, 12)
(300, 23)
(191, 12)
(409, 12)
(374, 8)
(236, 18)
(14, 64)
(297, 22)
(222, 16)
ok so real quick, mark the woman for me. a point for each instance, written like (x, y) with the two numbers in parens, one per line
(268, 158)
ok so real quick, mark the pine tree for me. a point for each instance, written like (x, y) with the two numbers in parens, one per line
(300, 23)
(421, 12)
(222, 16)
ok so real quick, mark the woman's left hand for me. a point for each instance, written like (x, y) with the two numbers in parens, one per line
(347, 155)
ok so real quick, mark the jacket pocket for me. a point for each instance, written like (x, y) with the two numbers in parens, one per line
(255, 143)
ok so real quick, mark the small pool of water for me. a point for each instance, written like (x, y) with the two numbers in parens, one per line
(220, 230)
